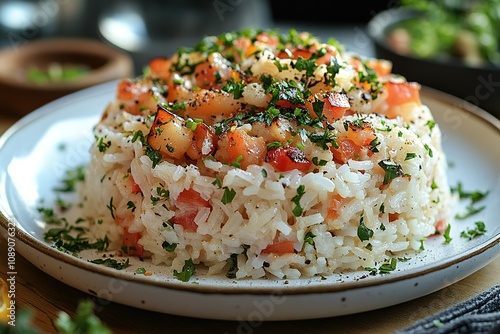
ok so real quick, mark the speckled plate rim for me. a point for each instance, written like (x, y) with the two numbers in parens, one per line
(489, 245)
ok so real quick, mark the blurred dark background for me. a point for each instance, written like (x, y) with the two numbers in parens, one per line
(145, 29)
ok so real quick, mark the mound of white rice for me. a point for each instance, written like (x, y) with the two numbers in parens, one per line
(352, 215)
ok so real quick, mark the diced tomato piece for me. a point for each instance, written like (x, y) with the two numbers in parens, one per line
(285, 159)
(206, 75)
(130, 245)
(192, 198)
(135, 187)
(333, 208)
(347, 150)
(264, 37)
(295, 53)
(440, 226)
(381, 66)
(127, 90)
(202, 136)
(393, 216)
(169, 135)
(335, 106)
(400, 93)
(361, 135)
(186, 220)
(279, 248)
(357, 64)
(285, 104)
(160, 67)
(244, 149)
(189, 202)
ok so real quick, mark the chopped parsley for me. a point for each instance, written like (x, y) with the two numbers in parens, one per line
(473, 196)
(233, 266)
(111, 208)
(169, 247)
(392, 170)
(217, 182)
(112, 263)
(140, 271)
(318, 162)
(370, 77)
(431, 124)
(237, 162)
(297, 210)
(150, 152)
(323, 139)
(364, 233)
(446, 235)
(309, 238)
(264, 172)
(422, 243)
(385, 268)
(228, 195)
(101, 144)
(470, 234)
(70, 238)
(235, 88)
(71, 179)
(410, 156)
(192, 123)
(429, 150)
(188, 270)
(307, 65)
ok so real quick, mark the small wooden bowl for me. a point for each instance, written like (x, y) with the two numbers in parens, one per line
(21, 96)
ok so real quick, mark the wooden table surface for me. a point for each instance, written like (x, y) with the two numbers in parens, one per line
(46, 297)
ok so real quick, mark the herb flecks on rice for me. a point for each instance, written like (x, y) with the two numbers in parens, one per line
(256, 153)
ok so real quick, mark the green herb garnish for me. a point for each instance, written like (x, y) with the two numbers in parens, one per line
(479, 230)
(112, 263)
(297, 210)
(188, 270)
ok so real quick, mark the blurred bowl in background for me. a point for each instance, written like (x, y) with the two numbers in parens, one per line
(40, 71)
(479, 85)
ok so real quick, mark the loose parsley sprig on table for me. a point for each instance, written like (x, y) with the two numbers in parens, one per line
(83, 321)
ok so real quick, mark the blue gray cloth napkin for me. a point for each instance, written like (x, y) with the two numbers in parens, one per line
(480, 314)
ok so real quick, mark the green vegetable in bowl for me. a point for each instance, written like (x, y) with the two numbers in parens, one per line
(56, 72)
(468, 30)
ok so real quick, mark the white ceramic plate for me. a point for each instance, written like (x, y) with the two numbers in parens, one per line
(33, 162)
